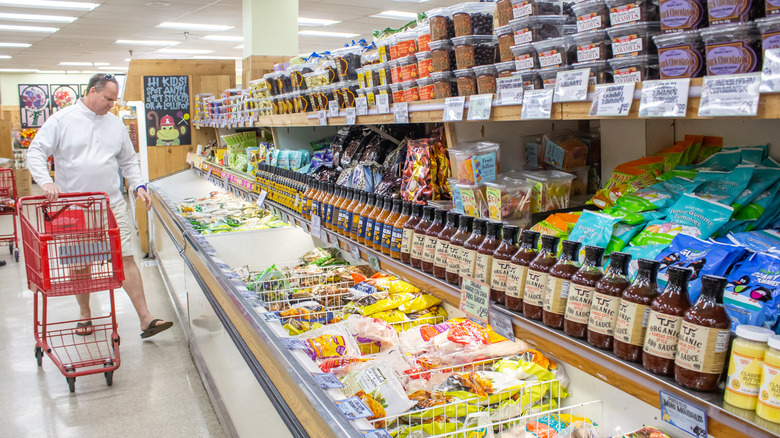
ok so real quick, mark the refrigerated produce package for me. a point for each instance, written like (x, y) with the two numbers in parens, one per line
(222, 212)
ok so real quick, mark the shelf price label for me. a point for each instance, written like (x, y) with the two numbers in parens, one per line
(355, 251)
(322, 116)
(733, 95)
(571, 86)
(664, 98)
(327, 380)
(502, 324)
(612, 100)
(537, 104)
(353, 408)
(333, 109)
(679, 413)
(361, 105)
(480, 106)
(475, 298)
(316, 226)
(770, 74)
(374, 262)
(293, 344)
(376, 433)
(401, 112)
(383, 103)
(261, 198)
(453, 109)
(351, 117)
(510, 90)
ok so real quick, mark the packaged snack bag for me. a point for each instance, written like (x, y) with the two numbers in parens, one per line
(594, 229)
(701, 217)
(752, 296)
(762, 178)
(760, 204)
(659, 196)
(673, 155)
(709, 147)
(622, 234)
(696, 141)
(649, 252)
(631, 218)
(687, 174)
(756, 241)
(723, 161)
(723, 187)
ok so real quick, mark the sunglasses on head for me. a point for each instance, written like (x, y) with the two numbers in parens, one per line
(108, 77)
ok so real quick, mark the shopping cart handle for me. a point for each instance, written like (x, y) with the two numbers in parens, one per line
(50, 217)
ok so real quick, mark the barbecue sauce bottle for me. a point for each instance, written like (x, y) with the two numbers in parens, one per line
(468, 256)
(559, 283)
(354, 226)
(373, 214)
(606, 301)
(634, 312)
(408, 233)
(364, 218)
(431, 238)
(398, 230)
(443, 245)
(518, 270)
(379, 223)
(456, 248)
(536, 280)
(389, 226)
(483, 265)
(418, 241)
(704, 339)
(337, 199)
(663, 324)
(583, 283)
(501, 263)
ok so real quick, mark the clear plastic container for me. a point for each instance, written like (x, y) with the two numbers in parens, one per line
(549, 75)
(525, 57)
(409, 70)
(475, 50)
(347, 61)
(444, 84)
(506, 39)
(442, 55)
(348, 93)
(532, 29)
(473, 200)
(392, 48)
(457, 201)
(555, 52)
(440, 20)
(536, 8)
(634, 39)
(734, 11)
(486, 79)
(551, 191)
(467, 82)
(732, 49)
(632, 11)
(475, 163)
(680, 16)
(407, 43)
(509, 199)
(296, 75)
(473, 18)
(411, 91)
(593, 46)
(634, 69)
(381, 74)
(505, 69)
(397, 91)
(395, 71)
(424, 64)
(591, 15)
(316, 79)
(504, 12)
(770, 31)
(531, 79)
(680, 55)
(534, 153)
(423, 37)
(384, 89)
(426, 90)
(600, 73)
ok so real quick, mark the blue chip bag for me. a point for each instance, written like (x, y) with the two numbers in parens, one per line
(649, 252)
(752, 295)
(723, 187)
(762, 179)
(751, 154)
(756, 241)
(594, 229)
(723, 161)
(703, 257)
(658, 196)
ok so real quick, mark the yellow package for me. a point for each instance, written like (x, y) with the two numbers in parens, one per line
(369, 305)
(295, 327)
(434, 315)
(421, 302)
(327, 346)
(399, 286)
(391, 316)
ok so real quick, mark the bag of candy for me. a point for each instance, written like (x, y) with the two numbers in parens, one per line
(658, 196)
(752, 295)
(723, 187)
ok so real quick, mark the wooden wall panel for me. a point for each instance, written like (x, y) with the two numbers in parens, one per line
(6, 144)
(165, 160)
(192, 67)
(254, 67)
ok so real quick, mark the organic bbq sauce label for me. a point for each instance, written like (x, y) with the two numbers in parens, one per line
(429, 249)
(603, 311)
(535, 287)
(499, 274)
(406, 241)
(453, 259)
(483, 266)
(557, 295)
(679, 62)
(662, 333)
(631, 323)
(468, 258)
(730, 58)
(702, 349)
(578, 305)
(515, 281)
(418, 246)
(680, 15)
(442, 253)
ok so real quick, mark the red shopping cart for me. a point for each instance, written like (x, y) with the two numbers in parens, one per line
(8, 208)
(72, 246)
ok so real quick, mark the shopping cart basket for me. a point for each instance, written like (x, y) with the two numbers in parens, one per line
(72, 246)
(8, 208)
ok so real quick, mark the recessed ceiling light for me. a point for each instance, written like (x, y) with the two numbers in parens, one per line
(50, 4)
(18, 70)
(193, 26)
(35, 17)
(24, 45)
(28, 28)
(227, 38)
(217, 57)
(240, 46)
(396, 15)
(88, 64)
(147, 42)
(5, 56)
(315, 22)
(158, 4)
(327, 34)
(186, 51)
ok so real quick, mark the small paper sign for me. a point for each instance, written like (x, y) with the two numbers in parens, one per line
(733, 95)
(293, 344)
(361, 105)
(355, 251)
(480, 106)
(327, 380)
(383, 103)
(351, 117)
(665, 98)
(322, 115)
(401, 112)
(502, 324)
(374, 262)
(770, 74)
(453, 109)
(683, 415)
(475, 298)
(571, 85)
(510, 90)
(333, 109)
(316, 225)
(261, 198)
(376, 433)
(612, 100)
(353, 408)
(270, 317)
(537, 104)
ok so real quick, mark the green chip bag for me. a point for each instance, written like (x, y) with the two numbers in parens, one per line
(657, 196)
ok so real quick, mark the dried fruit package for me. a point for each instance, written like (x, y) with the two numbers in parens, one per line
(425, 171)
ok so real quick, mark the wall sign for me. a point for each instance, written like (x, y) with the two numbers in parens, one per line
(34, 105)
(63, 96)
(167, 104)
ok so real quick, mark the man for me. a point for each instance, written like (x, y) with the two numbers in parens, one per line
(89, 146)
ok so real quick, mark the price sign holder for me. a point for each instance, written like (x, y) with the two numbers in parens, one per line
(351, 117)
(664, 98)
(475, 299)
(480, 106)
(502, 324)
(353, 408)
(333, 109)
(510, 90)
(355, 251)
(376, 433)
(293, 344)
(571, 85)
(316, 226)
(327, 380)
(383, 103)
(261, 198)
(685, 416)
(537, 104)
(401, 112)
(612, 100)
(361, 105)
(453, 109)
(732, 95)
(322, 116)
(374, 262)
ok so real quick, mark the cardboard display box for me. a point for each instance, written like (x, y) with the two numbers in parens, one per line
(23, 182)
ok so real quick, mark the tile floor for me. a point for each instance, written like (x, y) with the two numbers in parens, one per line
(156, 391)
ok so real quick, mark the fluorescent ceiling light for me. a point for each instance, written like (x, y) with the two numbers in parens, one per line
(240, 46)
(88, 64)
(227, 38)
(185, 51)
(410, 1)
(54, 71)
(315, 22)
(320, 33)
(233, 58)
(15, 45)
(396, 15)
(50, 4)
(28, 28)
(35, 17)
(127, 59)
(147, 42)
(113, 68)
(18, 70)
(193, 26)
(5, 56)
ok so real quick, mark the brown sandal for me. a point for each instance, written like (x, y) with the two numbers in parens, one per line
(155, 328)
(84, 328)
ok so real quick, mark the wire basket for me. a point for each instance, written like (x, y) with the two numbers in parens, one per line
(283, 292)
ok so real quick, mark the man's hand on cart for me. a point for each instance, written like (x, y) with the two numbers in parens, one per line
(142, 195)
(51, 191)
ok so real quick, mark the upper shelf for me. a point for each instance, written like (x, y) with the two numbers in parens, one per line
(432, 111)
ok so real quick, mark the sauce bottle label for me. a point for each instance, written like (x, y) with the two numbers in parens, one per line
(387, 236)
(468, 258)
(662, 333)
(442, 253)
(377, 234)
(369, 234)
(578, 305)
(483, 267)
(557, 295)
(515, 281)
(603, 311)
(702, 349)
(498, 275)
(395, 243)
(406, 241)
(769, 393)
(453, 259)
(418, 246)
(362, 227)
(535, 287)
(354, 227)
(429, 249)
(631, 323)
(744, 375)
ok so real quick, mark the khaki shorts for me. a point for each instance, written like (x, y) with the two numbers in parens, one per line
(125, 228)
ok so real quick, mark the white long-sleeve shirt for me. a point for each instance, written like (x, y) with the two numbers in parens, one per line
(87, 149)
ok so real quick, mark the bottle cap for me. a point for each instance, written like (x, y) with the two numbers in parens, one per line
(753, 333)
(774, 342)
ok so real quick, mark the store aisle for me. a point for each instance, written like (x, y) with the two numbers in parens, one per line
(156, 391)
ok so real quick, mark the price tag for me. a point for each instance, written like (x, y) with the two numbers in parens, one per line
(679, 413)
(374, 262)
(333, 109)
(383, 103)
(571, 85)
(510, 90)
(475, 298)
(261, 198)
(376, 433)
(316, 225)
(453, 109)
(351, 116)
(355, 251)
(480, 106)
(293, 344)
(666, 98)
(353, 408)
(322, 115)
(401, 112)
(208, 175)
(270, 317)
(327, 380)
(361, 105)
(770, 74)
(502, 324)
(537, 104)
(612, 100)
(733, 95)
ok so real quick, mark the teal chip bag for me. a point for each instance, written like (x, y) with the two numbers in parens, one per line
(657, 196)
(699, 217)
(756, 208)
(753, 155)
(594, 229)
(687, 174)
(723, 161)
(621, 236)
(770, 162)
(723, 187)
(649, 252)
(762, 179)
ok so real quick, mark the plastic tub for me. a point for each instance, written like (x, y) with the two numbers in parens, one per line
(347, 61)
(732, 49)
(411, 92)
(406, 43)
(682, 15)
(634, 69)
(504, 12)
(361, 73)
(457, 201)
(296, 75)
(473, 200)
(381, 74)
(555, 52)
(473, 18)
(444, 84)
(549, 75)
(442, 56)
(506, 39)
(509, 199)
(600, 73)
(771, 8)
(591, 15)
(734, 11)
(633, 39)
(770, 32)
(426, 90)
(680, 55)
(423, 37)
(475, 50)
(397, 92)
(531, 29)
(408, 67)
(593, 46)
(467, 82)
(475, 163)
(632, 11)
(551, 191)
(424, 64)
(486, 79)
(525, 57)
(440, 20)
(505, 69)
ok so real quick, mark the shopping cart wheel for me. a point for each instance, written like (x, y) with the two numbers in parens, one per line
(11, 247)
(109, 378)
(39, 355)
(71, 383)
(16, 255)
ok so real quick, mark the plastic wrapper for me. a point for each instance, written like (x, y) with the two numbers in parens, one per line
(320, 256)
(723, 187)
(474, 163)
(691, 215)
(377, 385)
(509, 199)
(474, 200)
(659, 196)
(594, 229)
(371, 334)
(488, 387)
(645, 432)
(752, 296)
(552, 190)
(425, 171)
(370, 304)
(581, 429)
(762, 179)
(332, 341)
(533, 366)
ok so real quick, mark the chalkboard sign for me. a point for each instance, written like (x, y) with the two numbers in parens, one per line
(167, 104)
